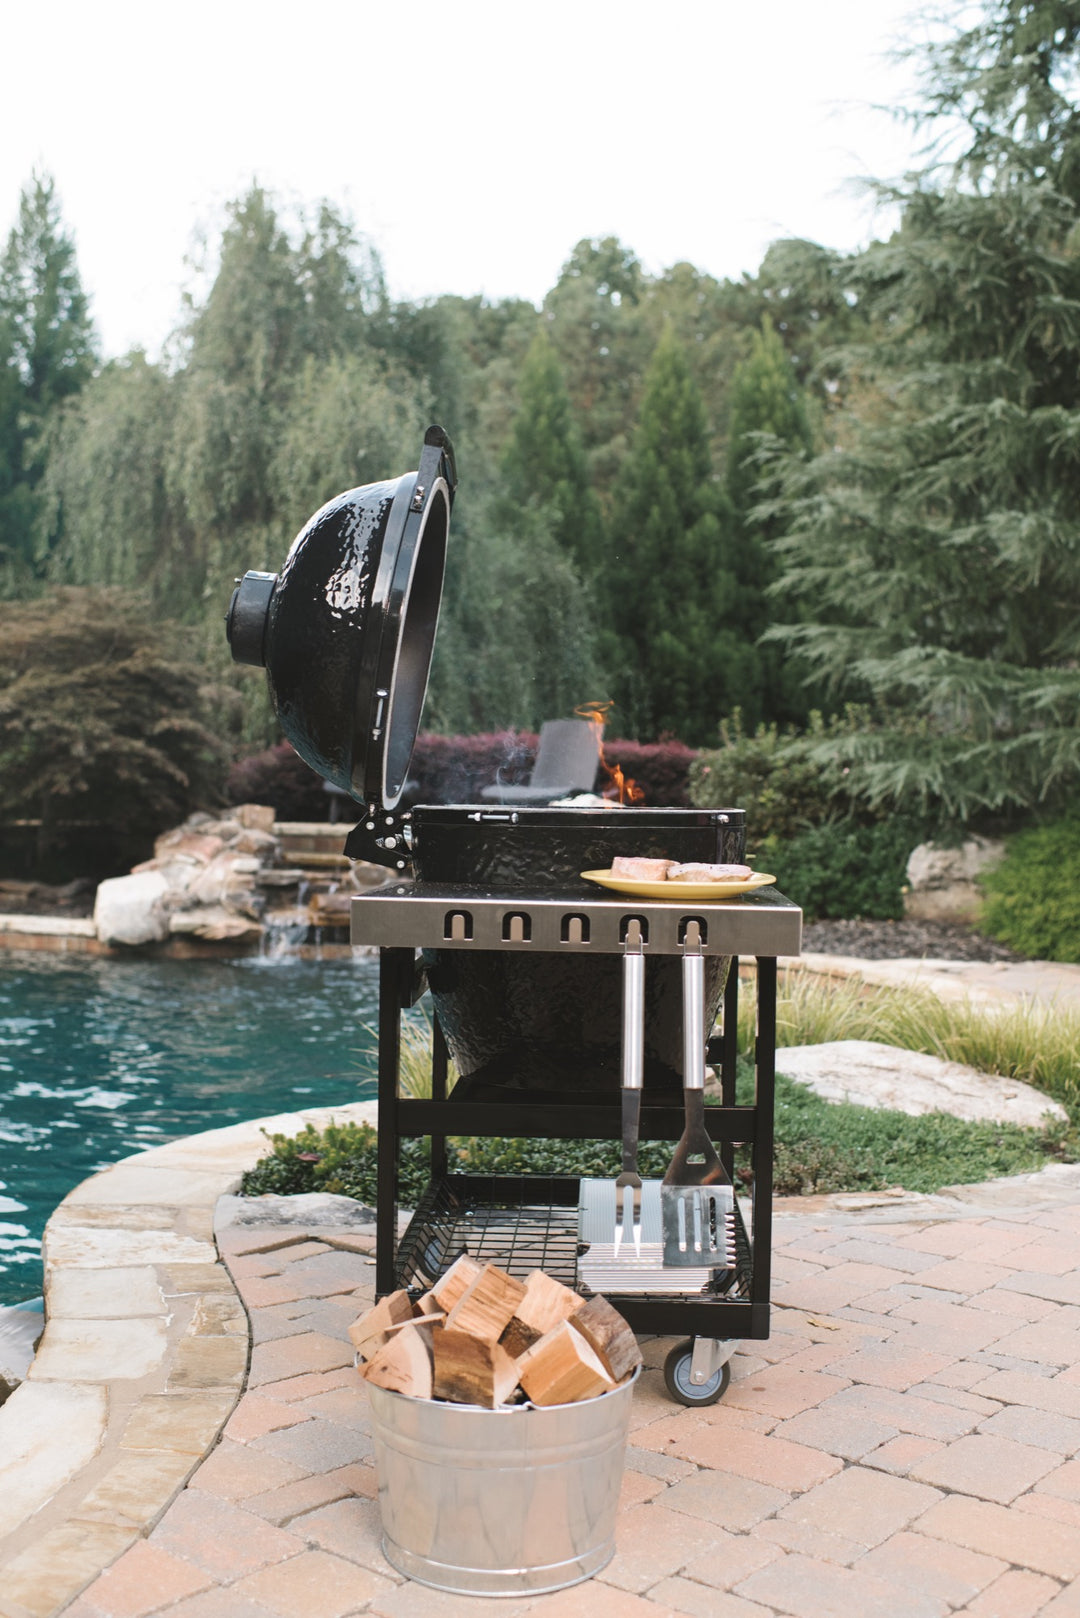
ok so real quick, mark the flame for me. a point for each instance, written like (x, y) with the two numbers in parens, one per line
(626, 788)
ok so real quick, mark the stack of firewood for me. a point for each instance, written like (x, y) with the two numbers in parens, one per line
(481, 1337)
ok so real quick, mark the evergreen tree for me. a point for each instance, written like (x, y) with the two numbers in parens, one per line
(767, 407)
(936, 560)
(47, 353)
(544, 463)
(668, 595)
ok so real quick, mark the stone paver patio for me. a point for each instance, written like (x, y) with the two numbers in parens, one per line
(905, 1444)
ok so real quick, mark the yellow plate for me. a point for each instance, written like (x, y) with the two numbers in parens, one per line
(678, 891)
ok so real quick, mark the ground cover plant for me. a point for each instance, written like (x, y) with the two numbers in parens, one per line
(1031, 896)
(821, 1146)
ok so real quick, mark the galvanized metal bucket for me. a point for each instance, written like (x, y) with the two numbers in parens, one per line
(499, 1502)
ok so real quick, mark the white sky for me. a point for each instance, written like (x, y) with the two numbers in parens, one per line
(475, 142)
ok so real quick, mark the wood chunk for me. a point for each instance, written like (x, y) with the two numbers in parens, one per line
(471, 1371)
(404, 1364)
(368, 1334)
(458, 1277)
(429, 1304)
(605, 1330)
(485, 1308)
(561, 1368)
(545, 1303)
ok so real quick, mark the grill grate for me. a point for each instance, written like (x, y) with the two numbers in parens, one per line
(523, 1223)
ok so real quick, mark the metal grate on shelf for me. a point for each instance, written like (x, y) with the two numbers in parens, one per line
(524, 1223)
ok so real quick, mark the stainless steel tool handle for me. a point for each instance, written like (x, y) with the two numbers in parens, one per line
(693, 981)
(633, 1020)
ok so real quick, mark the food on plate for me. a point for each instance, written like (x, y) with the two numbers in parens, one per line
(640, 870)
(709, 873)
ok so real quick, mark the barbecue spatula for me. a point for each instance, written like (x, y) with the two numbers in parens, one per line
(696, 1195)
(628, 1185)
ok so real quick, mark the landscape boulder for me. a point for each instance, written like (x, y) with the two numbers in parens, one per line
(131, 909)
(942, 883)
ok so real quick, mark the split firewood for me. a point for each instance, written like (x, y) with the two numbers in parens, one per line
(404, 1364)
(458, 1277)
(486, 1306)
(562, 1367)
(470, 1370)
(545, 1303)
(605, 1330)
(368, 1334)
(428, 1304)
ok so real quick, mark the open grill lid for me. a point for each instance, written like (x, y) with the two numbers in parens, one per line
(346, 630)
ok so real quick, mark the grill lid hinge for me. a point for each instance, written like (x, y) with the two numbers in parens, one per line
(382, 837)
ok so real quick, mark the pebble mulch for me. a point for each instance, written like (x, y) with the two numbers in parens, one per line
(896, 940)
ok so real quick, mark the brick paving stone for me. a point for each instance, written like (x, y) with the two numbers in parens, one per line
(265, 1291)
(888, 1365)
(142, 1580)
(1046, 1258)
(683, 1595)
(731, 1560)
(218, 1604)
(347, 1406)
(949, 1326)
(317, 1444)
(256, 1415)
(946, 1572)
(1050, 1507)
(808, 1588)
(959, 1374)
(1066, 1605)
(637, 1487)
(666, 1433)
(604, 1601)
(962, 1275)
(309, 1383)
(989, 1467)
(860, 1504)
(772, 1461)
(232, 1471)
(840, 1432)
(900, 1454)
(280, 1506)
(652, 1542)
(861, 1250)
(1064, 1482)
(785, 1268)
(718, 1498)
(273, 1322)
(1002, 1300)
(1051, 1288)
(1044, 1546)
(417, 1601)
(778, 1391)
(308, 1352)
(1042, 1428)
(217, 1536)
(668, 1468)
(351, 1528)
(313, 1582)
(925, 1417)
(836, 1289)
(952, 1239)
(959, 1398)
(1016, 1594)
(805, 1541)
(1053, 1341)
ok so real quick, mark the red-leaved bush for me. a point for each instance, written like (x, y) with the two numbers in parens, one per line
(454, 769)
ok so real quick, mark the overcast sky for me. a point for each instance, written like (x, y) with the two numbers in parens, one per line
(474, 142)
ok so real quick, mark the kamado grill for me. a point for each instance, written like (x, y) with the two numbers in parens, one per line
(550, 994)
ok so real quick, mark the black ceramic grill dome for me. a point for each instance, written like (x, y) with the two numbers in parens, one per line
(347, 629)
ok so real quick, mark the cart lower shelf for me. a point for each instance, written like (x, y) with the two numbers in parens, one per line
(528, 1222)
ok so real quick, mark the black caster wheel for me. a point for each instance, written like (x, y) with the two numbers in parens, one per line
(679, 1385)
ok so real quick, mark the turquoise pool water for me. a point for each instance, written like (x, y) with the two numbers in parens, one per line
(99, 1058)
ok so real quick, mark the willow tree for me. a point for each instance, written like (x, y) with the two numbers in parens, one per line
(932, 553)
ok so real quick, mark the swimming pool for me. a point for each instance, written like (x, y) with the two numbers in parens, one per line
(102, 1057)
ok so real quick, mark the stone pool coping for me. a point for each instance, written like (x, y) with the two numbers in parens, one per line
(144, 1355)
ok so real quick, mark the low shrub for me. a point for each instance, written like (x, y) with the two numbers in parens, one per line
(278, 776)
(842, 869)
(773, 776)
(1031, 897)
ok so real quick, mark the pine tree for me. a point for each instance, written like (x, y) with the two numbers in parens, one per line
(935, 558)
(667, 591)
(544, 463)
(47, 353)
(767, 407)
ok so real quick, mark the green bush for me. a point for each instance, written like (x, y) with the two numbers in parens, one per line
(1031, 901)
(771, 776)
(843, 869)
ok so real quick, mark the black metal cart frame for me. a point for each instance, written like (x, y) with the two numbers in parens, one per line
(764, 925)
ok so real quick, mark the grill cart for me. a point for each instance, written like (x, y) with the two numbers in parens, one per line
(549, 993)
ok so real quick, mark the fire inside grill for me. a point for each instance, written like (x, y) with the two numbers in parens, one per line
(531, 968)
